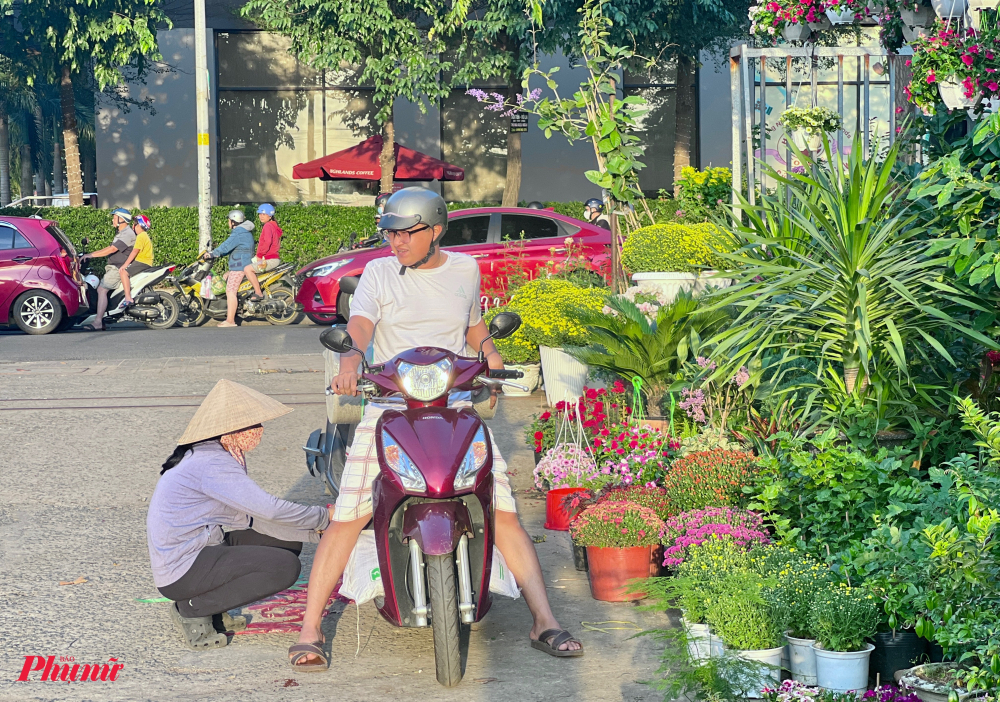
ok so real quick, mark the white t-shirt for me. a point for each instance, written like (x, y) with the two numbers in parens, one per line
(424, 307)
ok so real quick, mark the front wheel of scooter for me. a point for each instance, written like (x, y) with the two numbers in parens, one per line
(443, 590)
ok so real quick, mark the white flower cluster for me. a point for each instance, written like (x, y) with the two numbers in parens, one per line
(813, 120)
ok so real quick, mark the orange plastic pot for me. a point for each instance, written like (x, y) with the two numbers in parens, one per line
(556, 516)
(611, 570)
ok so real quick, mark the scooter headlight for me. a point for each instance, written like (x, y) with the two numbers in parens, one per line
(401, 464)
(425, 383)
(474, 459)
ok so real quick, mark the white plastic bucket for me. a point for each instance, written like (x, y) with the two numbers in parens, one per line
(802, 659)
(671, 284)
(769, 677)
(564, 376)
(842, 671)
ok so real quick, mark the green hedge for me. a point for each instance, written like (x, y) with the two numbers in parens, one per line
(311, 231)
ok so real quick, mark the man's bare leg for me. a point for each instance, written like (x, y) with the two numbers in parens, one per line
(102, 307)
(519, 552)
(252, 277)
(331, 558)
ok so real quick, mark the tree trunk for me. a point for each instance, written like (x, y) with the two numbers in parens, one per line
(4, 157)
(512, 188)
(71, 138)
(26, 186)
(684, 133)
(57, 167)
(40, 133)
(89, 173)
(387, 159)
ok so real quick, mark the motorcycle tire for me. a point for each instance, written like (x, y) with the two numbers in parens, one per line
(169, 311)
(288, 297)
(442, 587)
(190, 314)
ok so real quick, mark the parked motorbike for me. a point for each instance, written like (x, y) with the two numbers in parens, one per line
(156, 309)
(433, 498)
(277, 307)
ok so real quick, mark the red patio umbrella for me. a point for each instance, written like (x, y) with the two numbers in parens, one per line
(361, 162)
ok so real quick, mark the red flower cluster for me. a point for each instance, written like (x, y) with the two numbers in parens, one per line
(708, 478)
(599, 409)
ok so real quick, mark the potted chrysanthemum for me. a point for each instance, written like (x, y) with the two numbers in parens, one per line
(841, 619)
(618, 537)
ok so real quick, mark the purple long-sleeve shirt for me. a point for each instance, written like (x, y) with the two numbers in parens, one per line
(206, 493)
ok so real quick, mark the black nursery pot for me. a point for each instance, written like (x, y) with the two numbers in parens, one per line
(580, 557)
(899, 651)
(538, 457)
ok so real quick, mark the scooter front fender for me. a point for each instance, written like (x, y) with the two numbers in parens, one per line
(437, 526)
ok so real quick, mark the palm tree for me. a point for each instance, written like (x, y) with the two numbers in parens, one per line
(16, 97)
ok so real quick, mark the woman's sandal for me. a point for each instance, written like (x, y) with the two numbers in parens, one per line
(299, 652)
(550, 641)
(91, 327)
(198, 632)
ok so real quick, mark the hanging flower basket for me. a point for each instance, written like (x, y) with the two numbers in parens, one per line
(821, 24)
(806, 141)
(796, 32)
(953, 94)
(946, 9)
(916, 15)
(911, 34)
(845, 16)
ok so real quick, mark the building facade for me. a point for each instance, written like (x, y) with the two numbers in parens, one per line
(269, 112)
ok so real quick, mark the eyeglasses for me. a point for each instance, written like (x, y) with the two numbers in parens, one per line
(391, 235)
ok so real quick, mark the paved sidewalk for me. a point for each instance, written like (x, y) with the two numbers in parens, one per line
(74, 489)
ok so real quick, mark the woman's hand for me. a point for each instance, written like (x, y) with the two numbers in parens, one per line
(346, 383)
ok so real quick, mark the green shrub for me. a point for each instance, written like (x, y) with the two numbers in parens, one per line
(517, 349)
(681, 248)
(548, 307)
(703, 192)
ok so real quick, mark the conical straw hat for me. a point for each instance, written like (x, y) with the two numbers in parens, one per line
(230, 407)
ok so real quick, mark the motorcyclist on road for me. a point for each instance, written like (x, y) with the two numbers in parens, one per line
(117, 253)
(139, 260)
(593, 212)
(422, 296)
(380, 207)
(267, 248)
(239, 247)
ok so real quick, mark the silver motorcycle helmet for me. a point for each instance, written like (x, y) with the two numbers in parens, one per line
(413, 206)
(237, 216)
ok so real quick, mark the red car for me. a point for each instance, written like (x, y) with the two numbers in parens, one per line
(41, 289)
(539, 236)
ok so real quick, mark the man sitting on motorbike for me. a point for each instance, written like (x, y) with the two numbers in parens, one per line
(267, 248)
(239, 246)
(139, 260)
(422, 297)
(117, 253)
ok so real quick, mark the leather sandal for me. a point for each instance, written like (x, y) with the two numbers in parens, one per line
(299, 652)
(550, 641)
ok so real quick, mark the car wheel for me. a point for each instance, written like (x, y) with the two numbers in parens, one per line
(37, 312)
(344, 306)
(322, 319)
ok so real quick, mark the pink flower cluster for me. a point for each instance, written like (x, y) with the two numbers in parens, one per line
(696, 526)
(631, 469)
(565, 465)
(694, 404)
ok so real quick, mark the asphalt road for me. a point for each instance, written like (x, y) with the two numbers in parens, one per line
(129, 340)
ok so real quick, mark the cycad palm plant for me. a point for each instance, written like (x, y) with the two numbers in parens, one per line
(624, 341)
(831, 270)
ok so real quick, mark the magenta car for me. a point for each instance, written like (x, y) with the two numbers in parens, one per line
(41, 289)
(489, 234)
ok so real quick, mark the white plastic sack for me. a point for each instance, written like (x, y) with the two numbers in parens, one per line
(206, 288)
(363, 578)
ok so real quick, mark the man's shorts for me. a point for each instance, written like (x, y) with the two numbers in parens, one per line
(112, 278)
(361, 468)
(263, 265)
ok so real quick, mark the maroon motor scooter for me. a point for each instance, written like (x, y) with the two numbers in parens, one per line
(433, 498)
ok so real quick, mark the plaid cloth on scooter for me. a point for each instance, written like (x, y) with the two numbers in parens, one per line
(361, 467)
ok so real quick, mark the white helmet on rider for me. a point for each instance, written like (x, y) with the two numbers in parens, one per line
(237, 216)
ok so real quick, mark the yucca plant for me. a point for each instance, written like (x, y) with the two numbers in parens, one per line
(625, 341)
(829, 270)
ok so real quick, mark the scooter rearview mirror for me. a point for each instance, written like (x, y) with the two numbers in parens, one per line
(337, 340)
(504, 324)
(84, 241)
